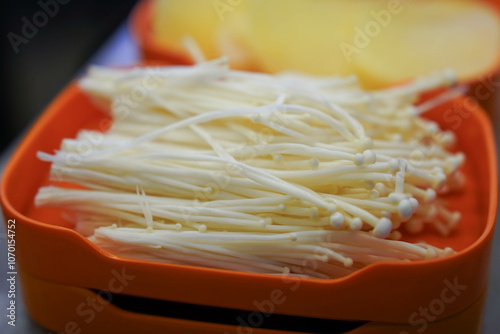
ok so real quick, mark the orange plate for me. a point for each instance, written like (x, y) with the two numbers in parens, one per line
(140, 23)
(385, 292)
(55, 307)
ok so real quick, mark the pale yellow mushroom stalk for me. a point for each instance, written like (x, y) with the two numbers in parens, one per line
(254, 172)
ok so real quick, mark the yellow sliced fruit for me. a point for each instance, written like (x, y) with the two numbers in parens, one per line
(427, 36)
(301, 34)
(383, 42)
(173, 20)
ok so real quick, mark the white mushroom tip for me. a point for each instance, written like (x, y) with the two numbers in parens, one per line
(430, 195)
(370, 156)
(383, 228)
(314, 163)
(381, 188)
(336, 220)
(413, 111)
(268, 221)
(393, 165)
(414, 204)
(430, 253)
(370, 184)
(366, 143)
(348, 262)
(439, 180)
(359, 159)
(448, 251)
(356, 224)
(449, 76)
(454, 218)
(395, 198)
(255, 117)
(331, 208)
(414, 226)
(430, 213)
(313, 212)
(395, 235)
(405, 208)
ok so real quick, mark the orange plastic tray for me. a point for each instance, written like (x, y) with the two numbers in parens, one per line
(481, 89)
(51, 252)
(140, 23)
(53, 306)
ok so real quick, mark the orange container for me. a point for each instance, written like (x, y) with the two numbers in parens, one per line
(62, 271)
(140, 24)
(483, 89)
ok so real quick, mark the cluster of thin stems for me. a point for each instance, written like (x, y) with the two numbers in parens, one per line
(207, 166)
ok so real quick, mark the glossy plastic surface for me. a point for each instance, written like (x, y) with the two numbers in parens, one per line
(64, 309)
(386, 292)
(152, 50)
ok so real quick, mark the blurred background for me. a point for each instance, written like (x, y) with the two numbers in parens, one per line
(47, 61)
(33, 71)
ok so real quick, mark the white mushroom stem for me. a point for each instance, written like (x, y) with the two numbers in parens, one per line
(257, 172)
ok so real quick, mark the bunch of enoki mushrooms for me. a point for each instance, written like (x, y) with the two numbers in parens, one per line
(213, 167)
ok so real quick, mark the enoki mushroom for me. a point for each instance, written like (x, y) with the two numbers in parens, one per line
(226, 169)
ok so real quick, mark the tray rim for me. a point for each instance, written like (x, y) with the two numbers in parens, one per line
(361, 275)
(72, 90)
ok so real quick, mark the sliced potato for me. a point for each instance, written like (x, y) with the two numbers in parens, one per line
(428, 36)
(383, 42)
(173, 20)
